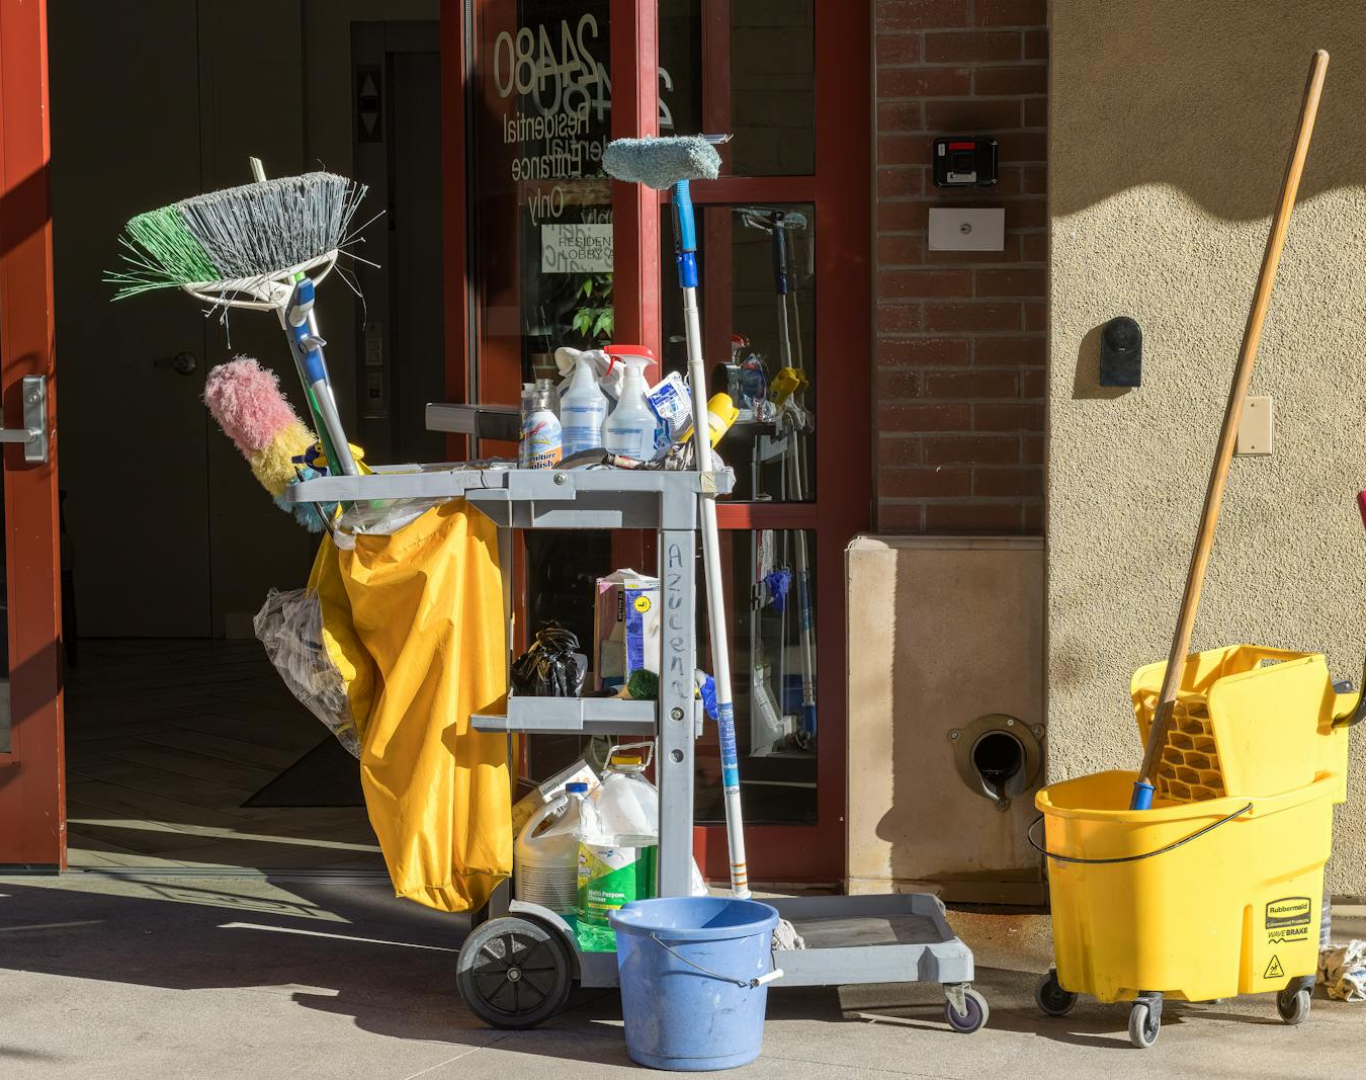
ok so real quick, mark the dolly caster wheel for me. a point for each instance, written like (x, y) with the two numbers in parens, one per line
(514, 972)
(1051, 998)
(1293, 1005)
(974, 1016)
(1145, 1021)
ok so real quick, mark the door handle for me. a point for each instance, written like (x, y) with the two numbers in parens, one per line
(182, 363)
(34, 432)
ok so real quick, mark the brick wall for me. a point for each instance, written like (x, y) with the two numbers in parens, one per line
(960, 387)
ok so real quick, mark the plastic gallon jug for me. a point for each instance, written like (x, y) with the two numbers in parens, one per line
(618, 844)
(630, 430)
(583, 409)
(546, 857)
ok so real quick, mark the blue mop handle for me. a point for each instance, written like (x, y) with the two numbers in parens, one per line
(685, 236)
(685, 247)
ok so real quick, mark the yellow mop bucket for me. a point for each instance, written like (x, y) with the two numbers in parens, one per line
(1216, 890)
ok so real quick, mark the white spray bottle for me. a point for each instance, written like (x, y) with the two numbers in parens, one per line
(630, 430)
(583, 409)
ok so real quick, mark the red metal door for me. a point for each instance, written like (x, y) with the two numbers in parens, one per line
(32, 803)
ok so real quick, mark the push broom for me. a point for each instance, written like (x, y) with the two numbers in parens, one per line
(670, 163)
(265, 247)
(1228, 439)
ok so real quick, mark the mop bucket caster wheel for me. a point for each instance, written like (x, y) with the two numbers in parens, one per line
(974, 1015)
(1051, 998)
(514, 972)
(1293, 1004)
(1145, 1021)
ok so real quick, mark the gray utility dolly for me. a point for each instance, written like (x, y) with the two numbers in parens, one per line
(520, 962)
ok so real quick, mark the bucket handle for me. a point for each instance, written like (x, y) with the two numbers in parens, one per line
(749, 984)
(1029, 835)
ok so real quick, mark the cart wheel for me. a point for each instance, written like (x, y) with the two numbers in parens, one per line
(1051, 998)
(974, 1019)
(1145, 1021)
(1293, 1007)
(514, 972)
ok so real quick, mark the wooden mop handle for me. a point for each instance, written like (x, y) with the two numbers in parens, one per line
(1228, 435)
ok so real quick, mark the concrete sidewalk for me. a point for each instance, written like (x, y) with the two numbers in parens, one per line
(224, 978)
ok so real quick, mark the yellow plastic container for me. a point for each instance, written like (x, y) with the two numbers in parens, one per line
(1235, 911)
(1252, 751)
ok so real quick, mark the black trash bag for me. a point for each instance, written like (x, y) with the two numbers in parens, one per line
(552, 667)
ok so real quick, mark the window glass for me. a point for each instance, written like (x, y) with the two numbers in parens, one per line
(759, 339)
(770, 586)
(544, 217)
(764, 94)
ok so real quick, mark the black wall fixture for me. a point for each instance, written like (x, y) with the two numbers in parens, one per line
(1121, 353)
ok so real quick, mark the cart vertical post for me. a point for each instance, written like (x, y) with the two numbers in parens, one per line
(677, 710)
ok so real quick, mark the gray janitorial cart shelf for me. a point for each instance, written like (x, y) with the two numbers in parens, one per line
(521, 960)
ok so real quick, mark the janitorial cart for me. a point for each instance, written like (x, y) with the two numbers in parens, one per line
(520, 963)
(518, 966)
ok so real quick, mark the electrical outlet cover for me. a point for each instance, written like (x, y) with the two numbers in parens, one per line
(1256, 427)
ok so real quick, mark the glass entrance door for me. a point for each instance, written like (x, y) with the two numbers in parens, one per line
(559, 255)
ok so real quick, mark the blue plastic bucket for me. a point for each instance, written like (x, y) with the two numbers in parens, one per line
(688, 968)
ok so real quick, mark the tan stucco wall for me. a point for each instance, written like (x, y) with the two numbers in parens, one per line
(1171, 121)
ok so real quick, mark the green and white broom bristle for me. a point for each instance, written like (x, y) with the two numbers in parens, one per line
(249, 233)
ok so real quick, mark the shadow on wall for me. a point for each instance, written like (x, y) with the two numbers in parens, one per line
(1199, 82)
(1086, 384)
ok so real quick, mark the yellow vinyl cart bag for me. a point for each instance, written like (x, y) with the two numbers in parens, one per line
(414, 622)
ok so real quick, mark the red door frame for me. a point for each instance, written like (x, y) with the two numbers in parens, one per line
(841, 189)
(32, 775)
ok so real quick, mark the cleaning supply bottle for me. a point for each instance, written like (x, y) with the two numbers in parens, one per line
(618, 844)
(546, 856)
(583, 409)
(721, 414)
(541, 446)
(630, 430)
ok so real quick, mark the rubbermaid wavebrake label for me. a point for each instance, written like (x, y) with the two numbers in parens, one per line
(1288, 919)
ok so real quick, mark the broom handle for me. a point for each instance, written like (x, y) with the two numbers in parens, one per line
(1228, 435)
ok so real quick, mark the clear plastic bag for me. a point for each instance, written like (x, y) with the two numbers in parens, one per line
(290, 626)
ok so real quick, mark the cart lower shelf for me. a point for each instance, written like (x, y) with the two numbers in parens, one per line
(898, 938)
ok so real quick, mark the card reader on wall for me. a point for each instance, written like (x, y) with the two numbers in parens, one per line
(1121, 353)
(964, 161)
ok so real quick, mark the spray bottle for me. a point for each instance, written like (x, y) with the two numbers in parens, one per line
(583, 409)
(630, 430)
(541, 445)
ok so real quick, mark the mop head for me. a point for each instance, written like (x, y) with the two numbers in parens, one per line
(249, 406)
(237, 238)
(785, 936)
(661, 163)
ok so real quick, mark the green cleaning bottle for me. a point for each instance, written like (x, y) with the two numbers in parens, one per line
(618, 845)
